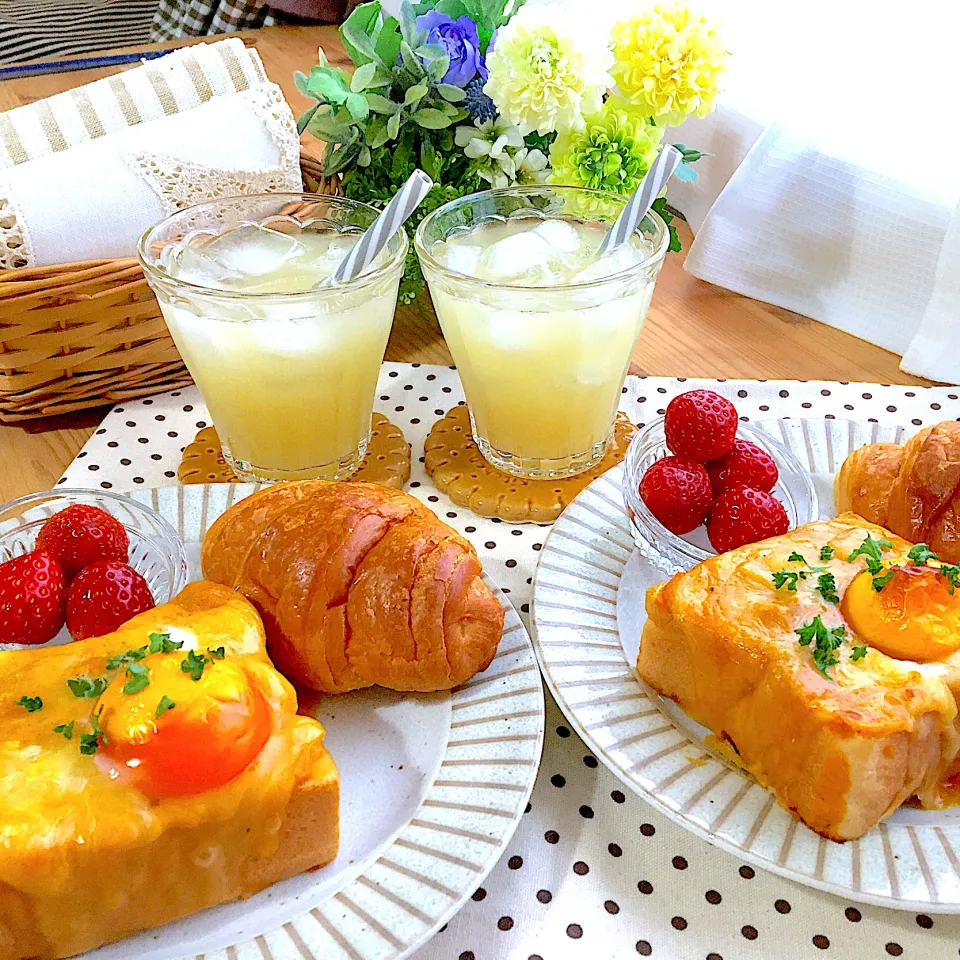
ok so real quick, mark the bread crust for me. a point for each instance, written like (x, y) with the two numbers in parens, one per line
(357, 585)
(914, 489)
(841, 753)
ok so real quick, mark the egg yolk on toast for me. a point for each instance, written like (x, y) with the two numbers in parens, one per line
(150, 773)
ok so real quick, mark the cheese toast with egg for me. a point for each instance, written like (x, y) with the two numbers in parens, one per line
(150, 773)
(827, 660)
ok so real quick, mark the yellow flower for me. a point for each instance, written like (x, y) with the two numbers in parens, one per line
(547, 70)
(612, 152)
(668, 62)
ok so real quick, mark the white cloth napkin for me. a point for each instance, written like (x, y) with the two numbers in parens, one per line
(84, 173)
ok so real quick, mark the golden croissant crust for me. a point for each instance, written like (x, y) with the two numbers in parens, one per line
(358, 585)
(913, 490)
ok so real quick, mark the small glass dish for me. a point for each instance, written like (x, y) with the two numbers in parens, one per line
(156, 552)
(674, 554)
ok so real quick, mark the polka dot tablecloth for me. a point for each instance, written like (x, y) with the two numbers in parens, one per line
(593, 871)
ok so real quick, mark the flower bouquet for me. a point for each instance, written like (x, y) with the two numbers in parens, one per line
(482, 93)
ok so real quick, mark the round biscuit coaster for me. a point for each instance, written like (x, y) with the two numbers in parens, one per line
(387, 461)
(457, 467)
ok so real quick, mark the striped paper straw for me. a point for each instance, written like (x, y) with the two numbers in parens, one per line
(394, 215)
(661, 170)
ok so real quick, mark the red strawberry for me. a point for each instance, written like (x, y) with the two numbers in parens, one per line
(744, 515)
(103, 597)
(677, 492)
(81, 535)
(746, 465)
(701, 425)
(32, 593)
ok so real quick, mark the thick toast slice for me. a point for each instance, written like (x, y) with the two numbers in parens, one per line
(841, 748)
(85, 856)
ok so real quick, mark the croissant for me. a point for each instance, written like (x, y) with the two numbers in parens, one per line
(913, 490)
(358, 585)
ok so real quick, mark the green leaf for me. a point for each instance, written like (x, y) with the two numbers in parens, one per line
(195, 663)
(357, 105)
(408, 24)
(921, 553)
(859, 652)
(429, 159)
(301, 81)
(65, 729)
(359, 44)
(880, 582)
(438, 68)
(393, 126)
(30, 704)
(376, 133)
(381, 104)
(128, 656)
(872, 550)
(826, 553)
(381, 78)
(364, 157)
(827, 586)
(796, 558)
(388, 41)
(85, 688)
(431, 119)
(410, 60)
(161, 643)
(325, 127)
(362, 76)
(136, 684)
(453, 8)
(218, 653)
(303, 121)
(164, 705)
(341, 158)
(450, 93)
(402, 155)
(328, 83)
(415, 94)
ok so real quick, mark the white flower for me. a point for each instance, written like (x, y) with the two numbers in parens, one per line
(490, 143)
(547, 70)
(531, 166)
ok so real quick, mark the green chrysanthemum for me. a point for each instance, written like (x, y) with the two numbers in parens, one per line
(612, 152)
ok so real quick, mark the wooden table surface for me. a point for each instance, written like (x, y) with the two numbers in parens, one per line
(694, 329)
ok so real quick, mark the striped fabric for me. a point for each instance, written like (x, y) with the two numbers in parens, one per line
(178, 82)
(50, 28)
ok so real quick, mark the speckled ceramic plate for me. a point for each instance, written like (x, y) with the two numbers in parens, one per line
(432, 789)
(587, 616)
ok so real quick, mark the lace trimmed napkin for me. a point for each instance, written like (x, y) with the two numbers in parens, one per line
(84, 173)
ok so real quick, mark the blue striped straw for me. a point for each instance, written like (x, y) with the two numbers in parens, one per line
(661, 170)
(375, 238)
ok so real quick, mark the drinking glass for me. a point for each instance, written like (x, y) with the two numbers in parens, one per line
(288, 370)
(542, 366)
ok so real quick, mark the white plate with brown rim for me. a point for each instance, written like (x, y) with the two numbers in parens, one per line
(432, 788)
(587, 615)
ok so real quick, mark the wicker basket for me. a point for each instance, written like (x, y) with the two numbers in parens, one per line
(80, 335)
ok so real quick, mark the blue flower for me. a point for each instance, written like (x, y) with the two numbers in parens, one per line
(461, 42)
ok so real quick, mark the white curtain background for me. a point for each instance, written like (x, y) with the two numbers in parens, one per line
(835, 189)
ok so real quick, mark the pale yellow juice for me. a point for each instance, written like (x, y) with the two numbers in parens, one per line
(289, 379)
(542, 368)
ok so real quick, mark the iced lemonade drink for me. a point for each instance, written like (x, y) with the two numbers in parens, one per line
(541, 329)
(286, 359)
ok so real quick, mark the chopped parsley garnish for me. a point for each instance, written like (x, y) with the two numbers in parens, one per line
(66, 729)
(130, 656)
(826, 553)
(90, 742)
(30, 704)
(827, 585)
(859, 652)
(921, 553)
(872, 551)
(164, 705)
(880, 582)
(952, 572)
(161, 643)
(796, 558)
(194, 664)
(139, 675)
(825, 641)
(84, 687)
(786, 578)
(218, 653)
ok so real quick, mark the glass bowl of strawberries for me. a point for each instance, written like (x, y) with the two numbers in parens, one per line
(698, 481)
(80, 563)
